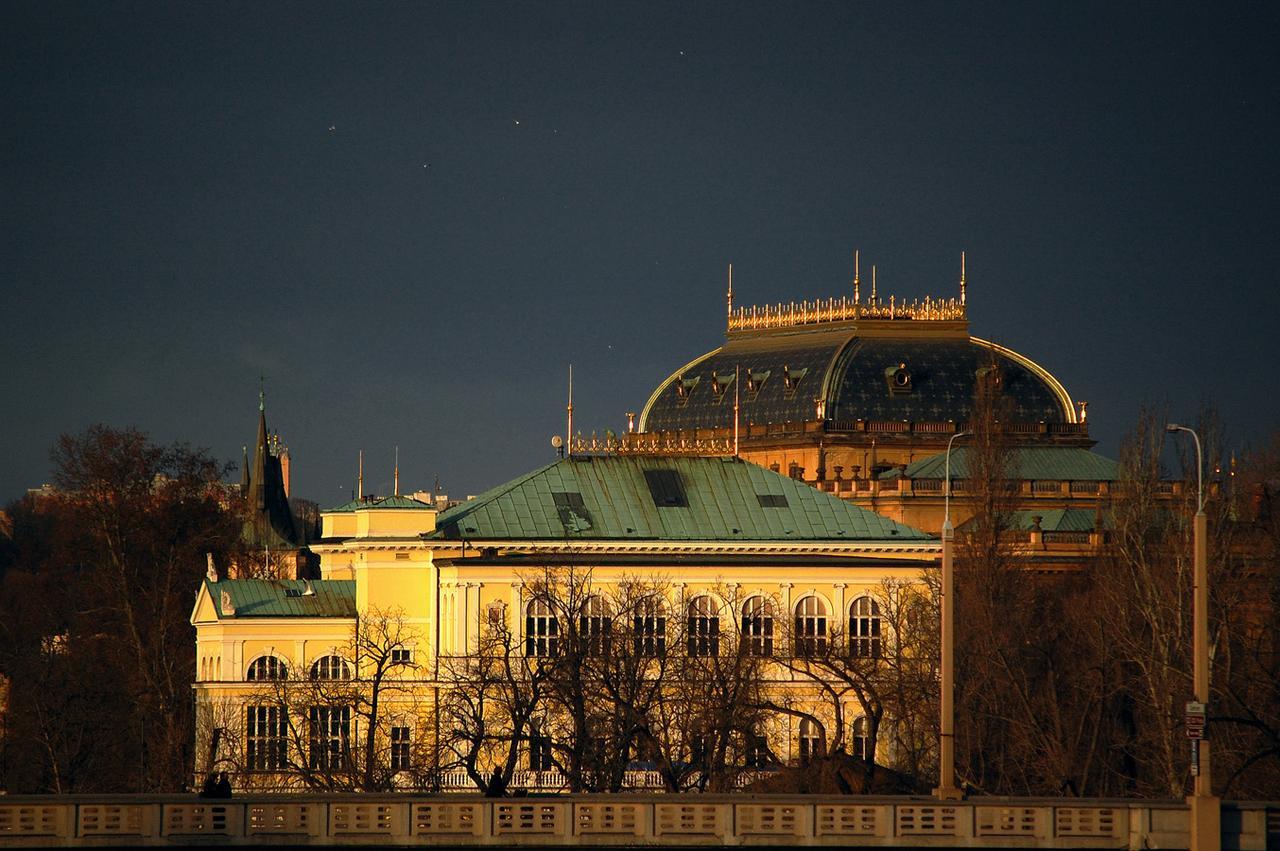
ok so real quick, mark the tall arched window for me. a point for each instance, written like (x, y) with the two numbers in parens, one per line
(810, 740)
(811, 627)
(703, 634)
(650, 628)
(330, 668)
(541, 630)
(864, 628)
(757, 626)
(266, 668)
(595, 625)
(859, 742)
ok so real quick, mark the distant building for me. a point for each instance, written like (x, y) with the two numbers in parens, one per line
(274, 538)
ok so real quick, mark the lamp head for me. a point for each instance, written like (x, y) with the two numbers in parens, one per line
(1172, 427)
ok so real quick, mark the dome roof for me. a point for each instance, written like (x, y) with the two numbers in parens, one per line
(869, 370)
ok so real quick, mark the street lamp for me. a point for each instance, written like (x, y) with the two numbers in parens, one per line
(1205, 813)
(947, 790)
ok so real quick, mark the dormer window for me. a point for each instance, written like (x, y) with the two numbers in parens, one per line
(684, 388)
(791, 379)
(756, 380)
(898, 379)
(990, 377)
(720, 385)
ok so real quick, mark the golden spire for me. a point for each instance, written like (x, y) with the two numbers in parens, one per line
(360, 477)
(730, 292)
(857, 284)
(873, 283)
(962, 287)
(569, 437)
(396, 486)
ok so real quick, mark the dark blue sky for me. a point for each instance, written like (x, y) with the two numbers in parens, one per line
(412, 217)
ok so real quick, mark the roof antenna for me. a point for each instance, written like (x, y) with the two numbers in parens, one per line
(730, 321)
(962, 286)
(569, 437)
(396, 486)
(360, 477)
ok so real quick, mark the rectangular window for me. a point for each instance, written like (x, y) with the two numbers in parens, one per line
(772, 500)
(266, 738)
(400, 748)
(330, 738)
(539, 752)
(666, 488)
(402, 656)
(572, 510)
(757, 755)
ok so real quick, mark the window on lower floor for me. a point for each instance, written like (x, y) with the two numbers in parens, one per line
(757, 752)
(266, 738)
(859, 741)
(330, 738)
(810, 740)
(400, 744)
(401, 656)
(539, 751)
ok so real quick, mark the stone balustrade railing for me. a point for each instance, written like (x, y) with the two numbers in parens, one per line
(637, 820)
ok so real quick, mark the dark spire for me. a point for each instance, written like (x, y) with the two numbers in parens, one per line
(271, 522)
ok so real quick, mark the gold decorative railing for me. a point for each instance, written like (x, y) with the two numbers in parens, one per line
(650, 443)
(842, 309)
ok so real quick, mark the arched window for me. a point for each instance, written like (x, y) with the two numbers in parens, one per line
(330, 668)
(757, 626)
(859, 742)
(650, 628)
(595, 624)
(541, 630)
(266, 668)
(864, 628)
(811, 627)
(703, 636)
(810, 740)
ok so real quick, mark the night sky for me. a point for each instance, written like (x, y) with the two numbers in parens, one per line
(412, 217)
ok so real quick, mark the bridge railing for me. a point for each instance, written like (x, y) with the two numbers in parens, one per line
(637, 819)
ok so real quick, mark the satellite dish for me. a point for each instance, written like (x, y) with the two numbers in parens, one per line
(556, 441)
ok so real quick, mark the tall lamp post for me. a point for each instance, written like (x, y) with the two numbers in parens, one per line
(946, 789)
(1205, 811)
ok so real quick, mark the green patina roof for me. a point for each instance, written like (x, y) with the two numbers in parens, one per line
(609, 497)
(1042, 463)
(1059, 519)
(266, 598)
(398, 502)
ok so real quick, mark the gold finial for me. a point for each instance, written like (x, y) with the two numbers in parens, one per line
(360, 477)
(857, 284)
(873, 283)
(962, 285)
(569, 436)
(730, 292)
(396, 485)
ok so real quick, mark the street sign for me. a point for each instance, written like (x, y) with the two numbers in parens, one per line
(1195, 720)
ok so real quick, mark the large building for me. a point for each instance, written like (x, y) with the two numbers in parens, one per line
(792, 476)
(720, 541)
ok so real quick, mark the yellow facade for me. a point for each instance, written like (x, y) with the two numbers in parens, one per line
(443, 594)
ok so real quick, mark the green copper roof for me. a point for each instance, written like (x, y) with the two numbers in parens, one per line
(1043, 463)
(1059, 520)
(398, 502)
(704, 499)
(270, 598)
